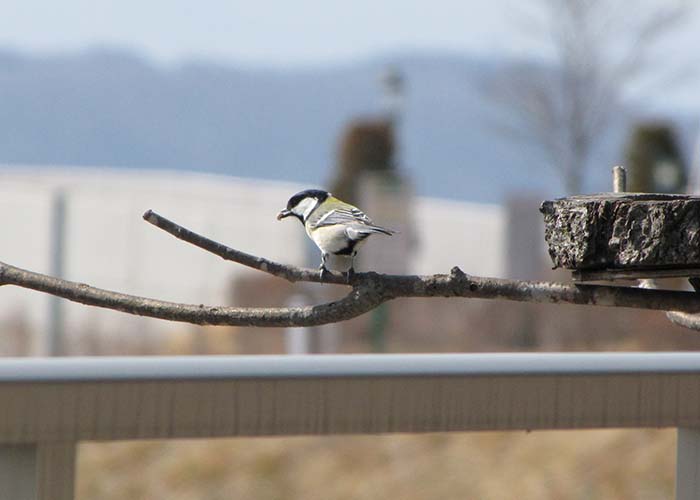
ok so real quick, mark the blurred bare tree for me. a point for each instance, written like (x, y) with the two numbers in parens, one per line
(597, 49)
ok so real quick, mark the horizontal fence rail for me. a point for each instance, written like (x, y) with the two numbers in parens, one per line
(47, 406)
(74, 399)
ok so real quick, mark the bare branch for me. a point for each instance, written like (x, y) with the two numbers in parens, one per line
(357, 302)
(368, 291)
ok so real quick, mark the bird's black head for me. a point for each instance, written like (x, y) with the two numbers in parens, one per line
(317, 194)
(303, 203)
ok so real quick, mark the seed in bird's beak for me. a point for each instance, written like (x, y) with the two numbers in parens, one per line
(284, 213)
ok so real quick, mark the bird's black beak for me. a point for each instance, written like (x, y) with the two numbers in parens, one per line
(284, 213)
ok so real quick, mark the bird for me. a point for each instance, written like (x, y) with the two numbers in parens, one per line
(336, 227)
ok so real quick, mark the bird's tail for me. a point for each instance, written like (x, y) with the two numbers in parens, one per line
(384, 230)
(365, 230)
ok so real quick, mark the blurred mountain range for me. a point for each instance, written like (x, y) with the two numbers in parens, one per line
(114, 108)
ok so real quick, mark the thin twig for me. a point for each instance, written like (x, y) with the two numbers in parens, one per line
(290, 273)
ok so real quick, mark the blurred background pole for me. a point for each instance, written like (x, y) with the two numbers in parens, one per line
(393, 89)
(56, 334)
(368, 175)
(296, 340)
(377, 328)
(393, 95)
(392, 86)
(328, 338)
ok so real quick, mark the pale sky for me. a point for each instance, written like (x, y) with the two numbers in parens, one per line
(295, 33)
(263, 32)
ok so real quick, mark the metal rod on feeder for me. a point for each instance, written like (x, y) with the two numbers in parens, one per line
(619, 179)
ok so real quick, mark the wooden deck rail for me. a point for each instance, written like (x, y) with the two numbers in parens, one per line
(47, 406)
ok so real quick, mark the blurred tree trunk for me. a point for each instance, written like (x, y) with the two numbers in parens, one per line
(595, 50)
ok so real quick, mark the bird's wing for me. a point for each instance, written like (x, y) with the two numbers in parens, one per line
(343, 215)
(358, 225)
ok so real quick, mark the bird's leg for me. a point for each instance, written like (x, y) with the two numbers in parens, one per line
(322, 267)
(351, 270)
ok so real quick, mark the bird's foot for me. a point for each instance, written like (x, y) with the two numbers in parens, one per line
(350, 274)
(323, 272)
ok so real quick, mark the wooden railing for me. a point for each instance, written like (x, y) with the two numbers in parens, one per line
(47, 406)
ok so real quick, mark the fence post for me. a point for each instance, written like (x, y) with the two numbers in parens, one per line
(18, 472)
(44, 471)
(688, 464)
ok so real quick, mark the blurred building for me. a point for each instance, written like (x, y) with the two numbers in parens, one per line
(108, 245)
(454, 233)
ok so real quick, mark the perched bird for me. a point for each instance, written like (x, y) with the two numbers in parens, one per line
(336, 227)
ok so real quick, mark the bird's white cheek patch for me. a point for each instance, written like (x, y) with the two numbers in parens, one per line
(305, 207)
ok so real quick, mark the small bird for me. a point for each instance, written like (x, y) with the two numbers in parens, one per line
(336, 227)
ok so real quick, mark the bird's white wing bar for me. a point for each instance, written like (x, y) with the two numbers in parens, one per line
(361, 216)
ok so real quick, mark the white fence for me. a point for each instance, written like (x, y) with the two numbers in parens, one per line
(49, 405)
(109, 245)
